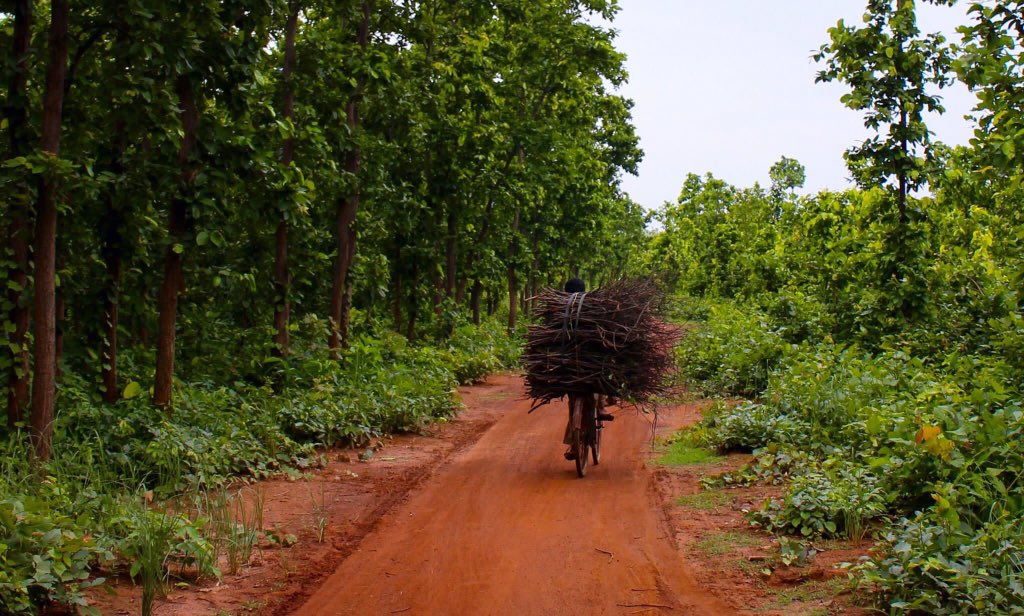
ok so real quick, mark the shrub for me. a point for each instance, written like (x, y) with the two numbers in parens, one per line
(45, 556)
(826, 503)
(936, 568)
(749, 426)
(733, 353)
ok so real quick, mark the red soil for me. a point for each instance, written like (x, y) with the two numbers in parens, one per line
(484, 516)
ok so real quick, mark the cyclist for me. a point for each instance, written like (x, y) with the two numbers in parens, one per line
(590, 402)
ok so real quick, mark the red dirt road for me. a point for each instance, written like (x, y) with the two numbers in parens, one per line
(506, 527)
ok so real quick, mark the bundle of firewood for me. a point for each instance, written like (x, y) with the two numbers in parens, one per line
(611, 341)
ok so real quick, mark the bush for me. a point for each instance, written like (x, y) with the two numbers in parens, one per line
(749, 426)
(935, 568)
(733, 353)
(798, 316)
(825, 503)
(45, 556)
(253, 422)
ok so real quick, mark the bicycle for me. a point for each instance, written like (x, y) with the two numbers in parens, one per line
(586, 430)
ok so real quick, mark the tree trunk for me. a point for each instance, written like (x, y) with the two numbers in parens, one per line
(450, 257)
(113, 255)
(174, 279)
(396, 293)
(44, 380)
(111, 297)
(282, 282)
(20, 213)
(436, 290)
(345, 245)
(341, 291)
(474, 301)
(513, 284)
(410, 327)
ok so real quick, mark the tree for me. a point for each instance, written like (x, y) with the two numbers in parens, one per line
(787, 175)
(282, 306)
(889, 67)
(45, 239)
(991, 63)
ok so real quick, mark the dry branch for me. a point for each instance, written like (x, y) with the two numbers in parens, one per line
(611, 341)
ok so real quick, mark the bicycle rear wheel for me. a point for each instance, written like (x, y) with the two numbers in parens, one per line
(595, 448)
(580, 440)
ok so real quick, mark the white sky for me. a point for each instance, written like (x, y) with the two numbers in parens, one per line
(727, 86)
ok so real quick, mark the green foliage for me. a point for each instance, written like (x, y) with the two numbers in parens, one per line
(936, 568)
(749, 426)
(881, 333)
(870, 436)
(45, 556)
(52, 533)
(889, 67)
(732, 353)
(157, 540)
(828, 503)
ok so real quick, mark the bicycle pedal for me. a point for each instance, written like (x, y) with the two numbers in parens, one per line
(606, 417)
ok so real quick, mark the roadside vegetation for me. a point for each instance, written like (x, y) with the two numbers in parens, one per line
(877, 334)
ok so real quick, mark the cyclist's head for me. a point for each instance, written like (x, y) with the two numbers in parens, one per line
(575, 285)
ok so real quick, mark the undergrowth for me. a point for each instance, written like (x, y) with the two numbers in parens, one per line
(132, 488)
(921, 452)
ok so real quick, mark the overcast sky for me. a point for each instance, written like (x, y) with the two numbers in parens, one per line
(727, 86)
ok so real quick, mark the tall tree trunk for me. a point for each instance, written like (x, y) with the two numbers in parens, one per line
(396, 293)
(44, 380)
(282, 280)
(112, 254)
(410, 326)
(341, 289)
(20, 213)
(478, 241)
(345, 245)
(436, 290)
(111, 231)
(450, 255)
(534, 269)
(513, 284)
(474, 301)
(174, 279)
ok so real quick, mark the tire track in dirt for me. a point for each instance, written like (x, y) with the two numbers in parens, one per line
(506, 527)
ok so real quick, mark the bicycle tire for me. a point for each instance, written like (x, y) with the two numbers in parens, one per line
(582, 453)
(579, 438)
(595, 449)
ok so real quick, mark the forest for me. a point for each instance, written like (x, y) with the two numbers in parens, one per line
(239, 232)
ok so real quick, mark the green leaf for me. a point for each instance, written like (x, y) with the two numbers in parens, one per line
(132, 390)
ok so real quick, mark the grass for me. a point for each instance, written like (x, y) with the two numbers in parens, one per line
(705, 500)
(807, 592)
(682, 453)
(717, 544)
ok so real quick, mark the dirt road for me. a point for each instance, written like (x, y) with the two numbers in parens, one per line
(506, 527)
